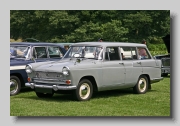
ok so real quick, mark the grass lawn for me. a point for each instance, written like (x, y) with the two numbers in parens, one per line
(156, 102)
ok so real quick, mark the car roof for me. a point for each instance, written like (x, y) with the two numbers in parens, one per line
(66, 43)
(108, 44)
(36, 43)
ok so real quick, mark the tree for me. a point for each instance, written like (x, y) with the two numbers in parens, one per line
(89, 25)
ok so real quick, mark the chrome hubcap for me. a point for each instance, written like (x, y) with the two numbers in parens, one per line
(84, 91)
(142, 84)
(13, 85)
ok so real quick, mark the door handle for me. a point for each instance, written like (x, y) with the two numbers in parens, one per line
(138, 62)
(121, 63)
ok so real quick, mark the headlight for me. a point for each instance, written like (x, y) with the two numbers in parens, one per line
(65, 71)
(28, 69)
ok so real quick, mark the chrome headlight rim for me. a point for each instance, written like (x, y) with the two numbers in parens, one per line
(28, 68)
(65, 70)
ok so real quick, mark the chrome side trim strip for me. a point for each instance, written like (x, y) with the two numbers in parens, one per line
(17, 67)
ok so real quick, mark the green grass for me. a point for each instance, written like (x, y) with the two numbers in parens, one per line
(156, 102)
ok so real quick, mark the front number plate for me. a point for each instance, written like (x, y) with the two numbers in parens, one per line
(43, 90)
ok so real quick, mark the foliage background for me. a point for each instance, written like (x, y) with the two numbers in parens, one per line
(89, 25)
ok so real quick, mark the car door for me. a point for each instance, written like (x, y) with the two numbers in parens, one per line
(133, 67)
(113, 69)
(149, 64)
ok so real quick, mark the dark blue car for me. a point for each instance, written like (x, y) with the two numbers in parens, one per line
(22, 53)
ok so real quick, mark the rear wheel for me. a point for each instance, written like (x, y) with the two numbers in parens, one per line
(44, 95)
(142, 85)
(84, 90)
(15, 86)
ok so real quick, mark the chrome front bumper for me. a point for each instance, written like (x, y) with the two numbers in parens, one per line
(54, 87)
(165, 70)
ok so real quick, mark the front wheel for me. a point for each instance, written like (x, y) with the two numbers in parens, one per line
(44, 95)
(15, 86)
(142, 85)
(84, 90)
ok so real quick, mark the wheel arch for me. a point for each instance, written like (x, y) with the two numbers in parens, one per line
(20, 78)
(93, 81)
(148, 78)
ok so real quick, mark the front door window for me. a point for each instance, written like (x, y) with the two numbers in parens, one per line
(39, 52)
(143, 53)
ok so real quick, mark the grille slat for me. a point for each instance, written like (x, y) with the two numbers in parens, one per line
(48, 81)
(48, 75)
(165, 62)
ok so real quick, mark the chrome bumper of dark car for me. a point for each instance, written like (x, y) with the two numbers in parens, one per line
(11, 84)
(165, 70)
(154, 80)
(54, 87)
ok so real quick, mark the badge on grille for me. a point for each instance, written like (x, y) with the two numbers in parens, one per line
(37, 74)
(59, 75)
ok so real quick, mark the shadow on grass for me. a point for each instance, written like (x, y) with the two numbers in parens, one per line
(26, 89)
(97, 95)
(113, 93)
(117, 93)
(56, 97)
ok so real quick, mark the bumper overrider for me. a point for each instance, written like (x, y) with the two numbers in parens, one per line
(55, 87)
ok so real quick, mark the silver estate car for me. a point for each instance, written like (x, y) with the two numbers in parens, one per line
(88, 67)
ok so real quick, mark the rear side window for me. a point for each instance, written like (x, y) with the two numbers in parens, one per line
(128, 53)
(54, 52)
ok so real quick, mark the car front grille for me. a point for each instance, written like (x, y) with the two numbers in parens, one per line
(48, 75)
(165, 62)
(48, 78)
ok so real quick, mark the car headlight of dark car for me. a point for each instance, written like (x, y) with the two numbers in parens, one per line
(65, 70)
(28, 68)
